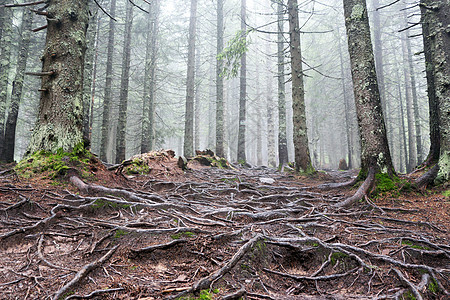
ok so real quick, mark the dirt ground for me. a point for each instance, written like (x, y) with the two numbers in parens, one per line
(210, 233)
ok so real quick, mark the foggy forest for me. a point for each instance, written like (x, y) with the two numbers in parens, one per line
(224, 149)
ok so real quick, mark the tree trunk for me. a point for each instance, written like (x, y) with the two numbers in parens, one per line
(436, 16)
(5, 64)
(148, 123)
(124, 82)
(379, 54)
(403, 158)
(433, 155)
(197, 104)
(409, 113)
(258, 120)
(108, 84)
(302, 157)
(242, 93)
(89, 71)
(375, 156)
(10, 130)
(220, 132)
(282, 135)
(190, 85)
(60, 120)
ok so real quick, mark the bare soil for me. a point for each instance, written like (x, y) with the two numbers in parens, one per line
(251, 233)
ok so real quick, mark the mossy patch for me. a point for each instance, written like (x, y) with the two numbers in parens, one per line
(446, 194)
(53, 165)
(412, 245)
(390, 185)
(178, 236)
(137, 166)
(204, 295)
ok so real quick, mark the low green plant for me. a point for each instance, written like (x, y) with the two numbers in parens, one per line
(137, 166)
(433, 286)
(336, 256)
(178, 236)
(412, 245)
(204, 295)
(409, 296)
(446, 193)
(120, 233)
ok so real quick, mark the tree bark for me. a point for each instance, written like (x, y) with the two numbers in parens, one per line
(24, 45)
(5, 65)
(282, 135)
(374, 146)
(188, 148)
(436, 16)
(108, 84)
(124, 82)
(60, 119)
(302, 157)
(148, 119)
(241, 157)
(220, 132)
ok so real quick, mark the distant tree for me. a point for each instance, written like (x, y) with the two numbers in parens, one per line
(282, 127)
(241, 156)
(124, 84)
(302, 157)
(220, 132)
(190, 85)
(24, 45)
(60, 118)
(148, 126)
(5, 65)
(108, 84)
(375, 157)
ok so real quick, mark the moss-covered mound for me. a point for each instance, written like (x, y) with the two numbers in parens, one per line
(52, 165)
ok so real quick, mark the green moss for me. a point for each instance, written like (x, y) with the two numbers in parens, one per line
(179, 235)
(137, 166)
(411, 244)
(336, 256)
(409, 296)
(54, 164)
(446, 193)
(433, 286)
(390, 185)
(120, 233)
(204, 295)
(218, 162)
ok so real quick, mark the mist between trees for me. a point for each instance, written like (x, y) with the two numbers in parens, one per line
(152, 80)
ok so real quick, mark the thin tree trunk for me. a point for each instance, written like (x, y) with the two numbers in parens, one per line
(378, 51)
(197, 104)
(402, 132)
(190, 85)
(108, 84)
(282, 128)
(302, 157)
(348, 124)
(10, 130)
(409, 113)
(124, 82)
(241, 157)
(5, 65)
(89, 70)
(148, 129)
(271, 151)
(220, 132)
(258, 120)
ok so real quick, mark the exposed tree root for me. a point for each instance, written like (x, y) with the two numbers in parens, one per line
(427, 178)
(83, 273)
(362, 190)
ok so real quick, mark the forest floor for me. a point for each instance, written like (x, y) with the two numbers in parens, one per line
(211, 233)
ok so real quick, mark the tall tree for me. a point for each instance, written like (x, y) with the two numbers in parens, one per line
(60, 119)
(10, 130)
(150, 76)
(220, 132)
(124, 83)
(108, 84)
(375, 156)
(282, 128)
(5, 64)
(437, 43)
(241, 157)
(302, 157)
(190, 85)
